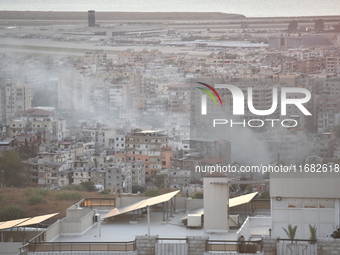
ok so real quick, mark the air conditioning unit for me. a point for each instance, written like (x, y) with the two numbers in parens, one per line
(194, 221)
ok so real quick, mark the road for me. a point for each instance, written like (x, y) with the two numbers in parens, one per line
(49, 47)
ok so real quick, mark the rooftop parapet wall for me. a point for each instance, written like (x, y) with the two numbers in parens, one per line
(146, 245)
(326, 246)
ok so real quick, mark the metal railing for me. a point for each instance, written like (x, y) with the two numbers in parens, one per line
(295, 240)
(231, 246)
(79, 246)
(172, 240)
(41, 237)
(296, 246)
(98, 202)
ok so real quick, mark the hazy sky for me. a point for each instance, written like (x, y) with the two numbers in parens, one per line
(246, 7)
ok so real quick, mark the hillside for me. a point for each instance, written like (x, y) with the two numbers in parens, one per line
(35, 202)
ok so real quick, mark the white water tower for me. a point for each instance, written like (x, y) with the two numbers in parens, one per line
(216, 203)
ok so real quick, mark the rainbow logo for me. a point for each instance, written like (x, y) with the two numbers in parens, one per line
(209, 93)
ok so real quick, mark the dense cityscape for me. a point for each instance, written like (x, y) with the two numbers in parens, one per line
(112, 106)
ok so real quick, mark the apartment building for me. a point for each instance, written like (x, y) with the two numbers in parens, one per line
(177, 178)
(333, 64)
(45, 169)
(119, 177)
(138, 173)
(37, 120)
(302, 200)
(118, 142)
(146, 146)
(14, 97)
(88, 174)
(155, 106)
(95, 57)
(99, 134)
(327, 120)
(179, 104)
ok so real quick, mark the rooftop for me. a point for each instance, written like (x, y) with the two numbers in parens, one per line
(119, 228)
(212, 160)
(35, 112)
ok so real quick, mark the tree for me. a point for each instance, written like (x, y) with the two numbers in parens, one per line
(11, 212)
(151, 193)
(319, 25)
(265, 195)
(198, 195)
(233, 187)
(27, 151)
(293, 26)
(88, 186)
(159, 180)
(136, 188)
(336, 27)
(11, 169)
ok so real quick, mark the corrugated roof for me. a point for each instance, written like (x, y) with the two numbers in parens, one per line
(142, 204)
(235, 201)
(232, 202)
(25, 221)
(36, 220)
(12, 223)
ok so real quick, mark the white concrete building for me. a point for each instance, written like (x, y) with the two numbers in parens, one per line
(14, 97)
(38, 121)
(305, 199)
